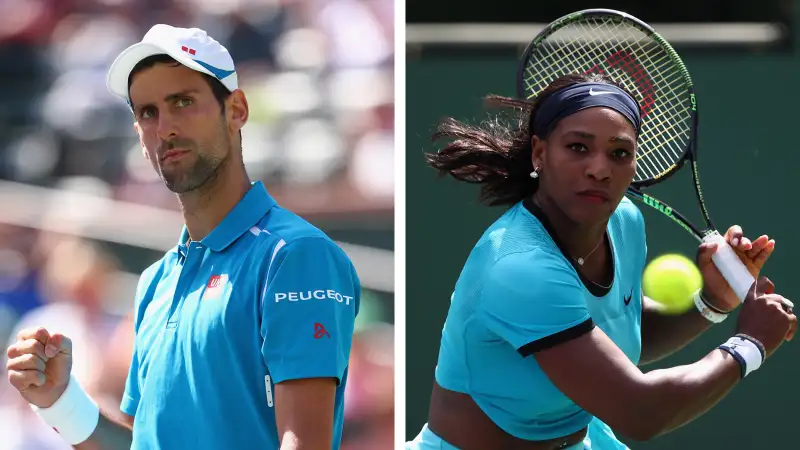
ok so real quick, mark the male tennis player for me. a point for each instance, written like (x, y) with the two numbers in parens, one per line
(547, 324)
(243, 330)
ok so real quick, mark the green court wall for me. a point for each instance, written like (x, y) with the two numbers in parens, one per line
(748, 147)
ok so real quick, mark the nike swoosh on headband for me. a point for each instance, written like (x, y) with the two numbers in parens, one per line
(593, 92)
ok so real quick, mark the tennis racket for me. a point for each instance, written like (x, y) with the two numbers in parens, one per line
(633, 54)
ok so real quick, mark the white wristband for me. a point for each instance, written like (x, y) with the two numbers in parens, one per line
(747, 351)
(708, 313)
(74, 415)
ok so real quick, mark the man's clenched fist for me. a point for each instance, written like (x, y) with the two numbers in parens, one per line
(39, 365)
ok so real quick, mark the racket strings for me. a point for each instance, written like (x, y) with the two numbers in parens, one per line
(658, 130)
(667, 125)
(644, 84)
(646, 96)
(639, 63)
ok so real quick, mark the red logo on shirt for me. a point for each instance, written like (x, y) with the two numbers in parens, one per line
(216, 286)
(320, 331)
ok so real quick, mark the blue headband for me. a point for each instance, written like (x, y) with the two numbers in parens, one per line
(581, 96)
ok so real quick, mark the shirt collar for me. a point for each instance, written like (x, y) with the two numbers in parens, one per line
(250, 209)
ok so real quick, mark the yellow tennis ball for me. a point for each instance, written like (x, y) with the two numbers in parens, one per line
(671, 280)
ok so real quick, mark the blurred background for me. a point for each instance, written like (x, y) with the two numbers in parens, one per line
(744, 58)
(83, 213)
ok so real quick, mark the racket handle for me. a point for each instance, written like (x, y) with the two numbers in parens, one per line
(731, 267)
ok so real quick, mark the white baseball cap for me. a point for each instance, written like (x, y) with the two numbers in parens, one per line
(192, 47)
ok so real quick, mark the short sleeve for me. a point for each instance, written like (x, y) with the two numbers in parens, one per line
(534, 300)
(309, 307)
(130, 398)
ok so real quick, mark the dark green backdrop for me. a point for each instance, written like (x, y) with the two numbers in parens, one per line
(749, 142)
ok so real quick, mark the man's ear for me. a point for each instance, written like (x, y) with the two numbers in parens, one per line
(237, 110)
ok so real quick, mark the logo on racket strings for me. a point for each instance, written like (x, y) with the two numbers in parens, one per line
(627, 62)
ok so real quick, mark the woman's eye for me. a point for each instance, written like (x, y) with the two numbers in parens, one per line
(622, 153)
(577, 147)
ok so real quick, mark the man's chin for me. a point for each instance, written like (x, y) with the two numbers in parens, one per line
(182, 180)
(182, 185)
(179, 186)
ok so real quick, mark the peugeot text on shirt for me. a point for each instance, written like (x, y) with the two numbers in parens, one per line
(320, 294)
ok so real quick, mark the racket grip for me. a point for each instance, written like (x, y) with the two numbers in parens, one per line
(732, 268)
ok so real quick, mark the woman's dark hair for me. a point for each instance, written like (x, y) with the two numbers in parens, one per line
(498, 155)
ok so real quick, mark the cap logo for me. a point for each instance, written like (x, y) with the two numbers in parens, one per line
(219, 73)
(188, 50)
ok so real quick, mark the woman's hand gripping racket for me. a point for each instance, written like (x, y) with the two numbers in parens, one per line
(633, 54)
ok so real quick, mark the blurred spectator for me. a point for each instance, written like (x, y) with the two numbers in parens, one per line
(74, 280)
(318, 75)
(370, 402)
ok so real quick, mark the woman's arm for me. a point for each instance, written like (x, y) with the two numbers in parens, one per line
(664, 334)
(638, 405)
(593, 372)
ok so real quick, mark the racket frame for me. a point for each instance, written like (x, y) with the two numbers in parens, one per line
(725, 257)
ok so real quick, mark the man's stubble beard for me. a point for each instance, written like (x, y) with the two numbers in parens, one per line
(202, 173)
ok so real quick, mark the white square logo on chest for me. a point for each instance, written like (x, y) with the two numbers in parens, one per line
(216, 285)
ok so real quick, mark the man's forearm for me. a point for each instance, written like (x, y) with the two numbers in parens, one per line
(664, 334)
(109, 435)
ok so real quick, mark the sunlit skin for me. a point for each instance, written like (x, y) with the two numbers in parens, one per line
(177, 116)
(192, 144)
(591, 150)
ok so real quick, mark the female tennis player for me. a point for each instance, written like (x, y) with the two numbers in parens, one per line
(548, 327)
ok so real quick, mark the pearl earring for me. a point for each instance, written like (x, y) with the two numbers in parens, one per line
(535, 173)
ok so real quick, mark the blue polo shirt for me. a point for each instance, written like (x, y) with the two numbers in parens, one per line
(266, 297)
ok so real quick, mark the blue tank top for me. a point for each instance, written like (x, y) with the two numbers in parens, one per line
(518, 292)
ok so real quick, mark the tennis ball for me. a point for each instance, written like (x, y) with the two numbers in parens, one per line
(671, 280)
